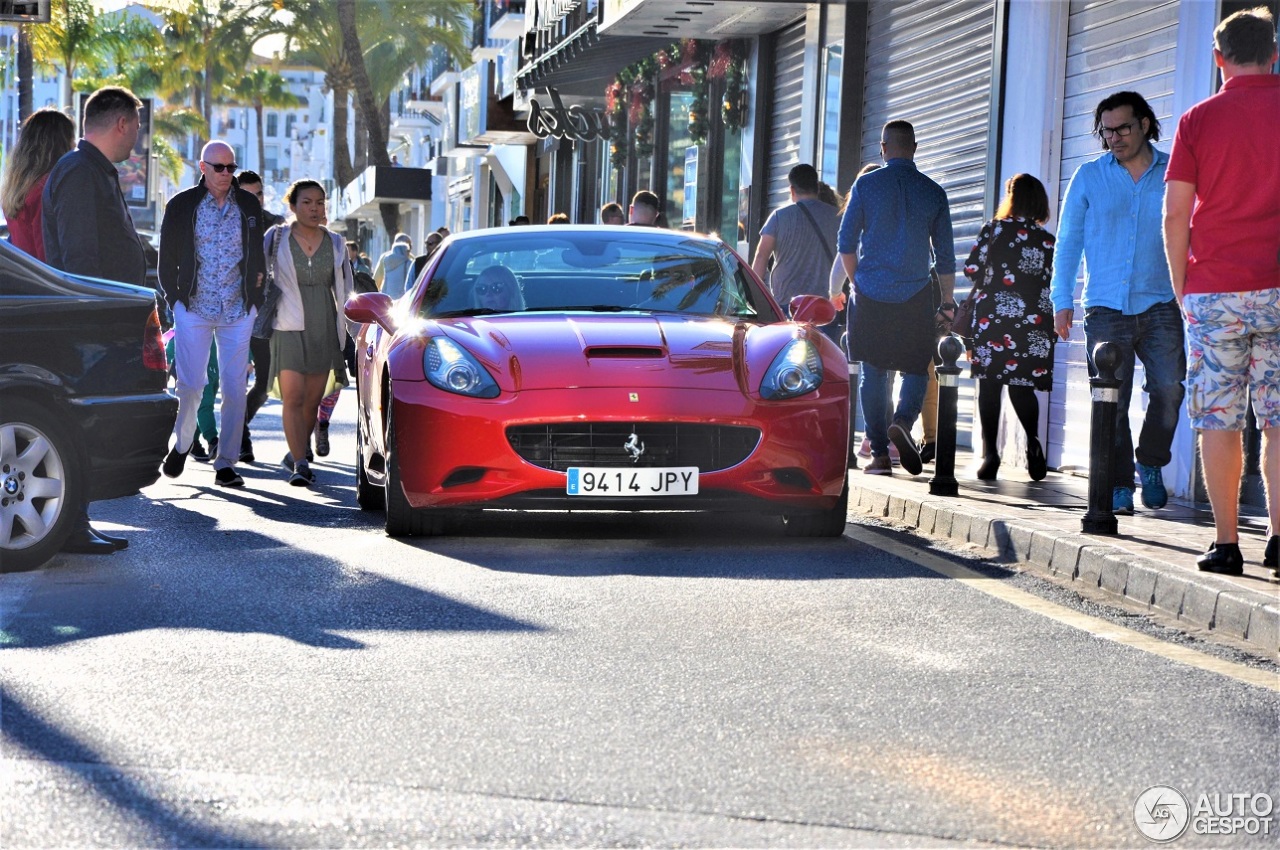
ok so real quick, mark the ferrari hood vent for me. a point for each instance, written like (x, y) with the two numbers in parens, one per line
(626, 352)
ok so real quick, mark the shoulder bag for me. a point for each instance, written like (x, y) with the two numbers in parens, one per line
(263, 325)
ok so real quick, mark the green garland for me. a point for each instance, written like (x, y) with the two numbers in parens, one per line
(629, 98)
(698, 112)
(731, 112)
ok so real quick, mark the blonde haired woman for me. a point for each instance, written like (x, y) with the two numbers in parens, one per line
(47, 134)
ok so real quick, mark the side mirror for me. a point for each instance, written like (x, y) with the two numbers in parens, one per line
(812, 310)
(370, 308)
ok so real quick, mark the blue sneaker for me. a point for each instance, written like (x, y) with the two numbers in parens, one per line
(1154, 495)
(1122, 501)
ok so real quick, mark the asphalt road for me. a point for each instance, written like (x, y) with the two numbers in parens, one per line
(266, 668)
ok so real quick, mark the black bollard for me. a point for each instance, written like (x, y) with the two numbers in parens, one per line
(1105, 389)
(943, 482)
(854, 376)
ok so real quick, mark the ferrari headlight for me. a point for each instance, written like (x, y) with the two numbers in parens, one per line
(795, 371)
(451, 367)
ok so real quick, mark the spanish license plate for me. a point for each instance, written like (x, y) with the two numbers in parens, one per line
(646, 481)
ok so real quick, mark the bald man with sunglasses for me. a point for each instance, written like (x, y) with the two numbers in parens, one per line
(211, 272)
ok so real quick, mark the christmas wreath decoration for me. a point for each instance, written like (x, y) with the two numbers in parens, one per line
(629, 98)
(728, 63)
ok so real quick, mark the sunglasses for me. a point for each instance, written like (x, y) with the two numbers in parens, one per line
(230, 168)
(491, 288)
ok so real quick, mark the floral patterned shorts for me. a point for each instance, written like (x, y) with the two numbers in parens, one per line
(1234, 347)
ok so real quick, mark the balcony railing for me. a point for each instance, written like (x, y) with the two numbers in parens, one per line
(506, 18)
(437, 64)
(555, 22)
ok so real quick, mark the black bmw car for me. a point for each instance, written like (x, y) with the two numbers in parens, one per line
(84, 408)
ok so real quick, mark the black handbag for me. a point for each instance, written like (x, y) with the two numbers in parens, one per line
(963, 324)
(263, 325)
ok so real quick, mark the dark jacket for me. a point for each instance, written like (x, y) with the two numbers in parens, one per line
(177, 268)
(87, 226)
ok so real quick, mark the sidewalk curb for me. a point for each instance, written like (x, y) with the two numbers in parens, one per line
(1202, 600)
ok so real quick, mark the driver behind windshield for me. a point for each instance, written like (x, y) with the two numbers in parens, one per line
(496, 288)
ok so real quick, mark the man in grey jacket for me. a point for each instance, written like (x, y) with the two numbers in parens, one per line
(392, 271)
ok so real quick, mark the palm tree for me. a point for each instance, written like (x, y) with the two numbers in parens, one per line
(401, 34)
(71, 40)
(312, 38)
(260, 88)
(210, 43)
(26, 71)
(130, 60)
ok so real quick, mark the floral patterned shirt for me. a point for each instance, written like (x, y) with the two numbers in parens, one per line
(218, 296)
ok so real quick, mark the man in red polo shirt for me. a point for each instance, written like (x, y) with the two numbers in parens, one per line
(1222, 239)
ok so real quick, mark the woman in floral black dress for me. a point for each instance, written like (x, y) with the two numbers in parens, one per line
(1012, 328)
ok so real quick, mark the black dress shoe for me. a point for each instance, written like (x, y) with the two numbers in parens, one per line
(118, 542)
(85, 542)
(1222, 558)
(1271, 558)
(928, 452)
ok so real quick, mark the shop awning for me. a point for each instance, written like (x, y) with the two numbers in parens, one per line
(381, 185)
(586, 61)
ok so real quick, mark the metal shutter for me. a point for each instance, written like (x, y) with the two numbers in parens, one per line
(1112, 45)
(930, 63)
(784, 129)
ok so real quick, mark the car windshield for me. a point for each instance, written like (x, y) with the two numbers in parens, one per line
(534, 271)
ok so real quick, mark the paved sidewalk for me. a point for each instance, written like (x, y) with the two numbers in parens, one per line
(1150, 562)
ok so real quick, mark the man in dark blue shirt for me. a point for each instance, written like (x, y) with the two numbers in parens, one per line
(88, 230)
(895, 225)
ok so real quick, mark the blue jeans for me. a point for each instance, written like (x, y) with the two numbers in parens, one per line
(1155, 337)
(874, 390)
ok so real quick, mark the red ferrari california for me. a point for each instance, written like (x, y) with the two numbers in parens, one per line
(597, 368)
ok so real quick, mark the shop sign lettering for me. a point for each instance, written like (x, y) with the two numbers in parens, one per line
(576, 122)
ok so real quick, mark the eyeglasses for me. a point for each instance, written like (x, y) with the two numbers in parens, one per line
(230, 168)
(491, 288)
(1116, 132)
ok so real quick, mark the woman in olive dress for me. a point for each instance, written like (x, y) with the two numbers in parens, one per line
(1012, 328)
(310, 267)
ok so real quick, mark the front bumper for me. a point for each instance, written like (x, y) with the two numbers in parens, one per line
(453, 451)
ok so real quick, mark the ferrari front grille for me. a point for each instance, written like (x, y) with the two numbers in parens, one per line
(562, 445)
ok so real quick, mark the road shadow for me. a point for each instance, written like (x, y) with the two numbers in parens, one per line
(683, 545)
(27, 735)
(242, 582)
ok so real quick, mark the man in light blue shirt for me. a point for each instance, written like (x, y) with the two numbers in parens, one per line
(896, 223)
(1113, 216)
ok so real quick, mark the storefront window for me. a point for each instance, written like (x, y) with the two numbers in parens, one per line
(833, 70)
(732, 148)
(678, 141)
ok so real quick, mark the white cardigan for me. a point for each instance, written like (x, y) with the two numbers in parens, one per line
(289, 312)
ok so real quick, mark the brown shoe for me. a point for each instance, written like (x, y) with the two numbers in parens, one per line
(879, 466)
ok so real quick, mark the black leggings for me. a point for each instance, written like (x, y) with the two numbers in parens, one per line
(260, 350)
(1024, 402)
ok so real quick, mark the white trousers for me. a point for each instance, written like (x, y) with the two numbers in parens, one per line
(191, 340)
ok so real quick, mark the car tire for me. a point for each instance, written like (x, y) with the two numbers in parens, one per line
(368, 496)
(828, 523)
(404, 520)
(41, 485)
